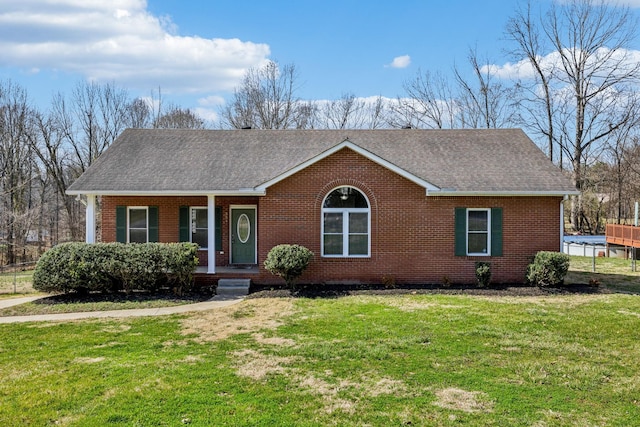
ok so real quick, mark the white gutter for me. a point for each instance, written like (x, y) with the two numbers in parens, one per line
(453, 193)
(240, 192)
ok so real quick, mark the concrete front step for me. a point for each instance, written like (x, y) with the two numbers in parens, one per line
(233, 287)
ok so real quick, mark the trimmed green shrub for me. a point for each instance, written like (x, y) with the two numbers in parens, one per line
(483, 274)
(180, 263)
(110, 267)
(288, 262)
(548, 269)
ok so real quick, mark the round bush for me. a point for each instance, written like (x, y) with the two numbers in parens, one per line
(548, 269)
(288, 262)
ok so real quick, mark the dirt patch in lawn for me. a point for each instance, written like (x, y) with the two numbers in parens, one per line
(462, 400)
(275, 341)
(337, 394)
(88, 360)
(247, 317)
(258, 366)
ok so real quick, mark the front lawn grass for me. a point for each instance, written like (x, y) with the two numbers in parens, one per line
(560, 360)
(74, 303)
(613, 273)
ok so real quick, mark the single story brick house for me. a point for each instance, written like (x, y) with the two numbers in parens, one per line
(413, 206)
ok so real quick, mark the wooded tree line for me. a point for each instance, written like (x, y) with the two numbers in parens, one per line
(574, 90)
(43, 152)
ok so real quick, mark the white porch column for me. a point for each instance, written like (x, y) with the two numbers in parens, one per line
(211, 233)
(90, 221)
(562, 225)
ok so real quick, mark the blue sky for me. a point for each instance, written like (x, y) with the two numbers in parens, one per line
(197, 51)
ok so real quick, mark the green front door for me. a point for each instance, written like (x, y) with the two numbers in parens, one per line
(243, 236)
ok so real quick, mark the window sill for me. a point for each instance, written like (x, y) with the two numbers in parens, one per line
(346, 256)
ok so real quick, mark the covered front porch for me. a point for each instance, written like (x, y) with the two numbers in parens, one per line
(230, 270)
(223, 225)
(227, 274)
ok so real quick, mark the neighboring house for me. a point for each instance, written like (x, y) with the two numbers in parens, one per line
(414, 206)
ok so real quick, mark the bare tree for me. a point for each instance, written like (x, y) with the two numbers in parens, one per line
(342, 113)
(433, 102)
(429, 102)
(535, 98)
(57, 157)
(379, 112)
(620, 154)
(75, 132)
(266, 99)
(18, 171)
(307, 115)
(91, 119)
(586, 91)
(139, 114)
(483, 102)
(179, 118)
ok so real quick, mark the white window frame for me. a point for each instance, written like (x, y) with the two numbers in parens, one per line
(129, 228)
(192, 226)
(345, 225)
(487, 232)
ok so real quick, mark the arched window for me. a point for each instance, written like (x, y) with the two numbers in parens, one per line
(345, 224)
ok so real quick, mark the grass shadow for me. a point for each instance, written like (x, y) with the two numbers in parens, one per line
(343, 290)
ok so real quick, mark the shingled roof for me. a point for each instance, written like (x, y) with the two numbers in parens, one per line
(190, 162)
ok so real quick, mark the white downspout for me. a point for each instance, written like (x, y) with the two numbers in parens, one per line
(211, 233)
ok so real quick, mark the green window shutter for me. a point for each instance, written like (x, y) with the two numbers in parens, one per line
(184, 223)
(496, 232)
(218, 228)
(153, 224)
(121, 224)
(461, 231)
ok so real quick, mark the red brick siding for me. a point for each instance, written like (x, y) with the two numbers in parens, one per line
(412, 235)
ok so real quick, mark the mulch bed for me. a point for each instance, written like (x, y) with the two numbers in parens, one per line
(198, 295)
(324, 291)
(335, 291)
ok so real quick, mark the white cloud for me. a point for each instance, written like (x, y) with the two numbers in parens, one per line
(622, 60)
(400, 62)
(208, 108)
(120, 41)
(211, 101)
(209, 114)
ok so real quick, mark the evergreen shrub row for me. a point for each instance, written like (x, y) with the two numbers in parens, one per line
(112, 267)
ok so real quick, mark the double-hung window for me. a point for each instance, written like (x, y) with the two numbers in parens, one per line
(199, 230)
(346, 224)
(194, 226)
(138, 224)
(478, 232)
